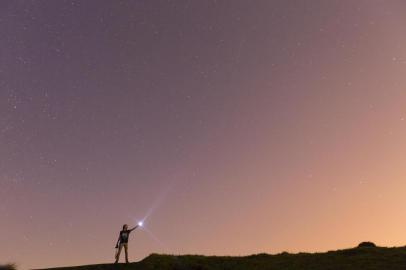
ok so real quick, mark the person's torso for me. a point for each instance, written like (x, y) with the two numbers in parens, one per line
(124, 235)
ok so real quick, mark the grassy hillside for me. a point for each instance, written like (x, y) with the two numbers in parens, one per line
(361, 258)
(7, 267)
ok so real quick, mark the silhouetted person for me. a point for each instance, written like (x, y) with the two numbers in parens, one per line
(123, 242)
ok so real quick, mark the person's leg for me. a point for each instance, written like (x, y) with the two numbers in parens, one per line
(118, 252)
(126, 252)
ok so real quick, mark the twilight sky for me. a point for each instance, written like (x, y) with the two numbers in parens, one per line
(237, 127)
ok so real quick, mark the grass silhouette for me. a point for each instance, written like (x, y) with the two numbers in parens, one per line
(360, 258)
(8, 267)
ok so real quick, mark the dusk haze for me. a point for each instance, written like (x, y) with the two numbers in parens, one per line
(213, 127)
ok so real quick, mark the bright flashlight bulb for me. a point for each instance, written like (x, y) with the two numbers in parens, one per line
(140, 223)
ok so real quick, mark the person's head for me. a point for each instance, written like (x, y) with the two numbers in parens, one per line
(125, 227)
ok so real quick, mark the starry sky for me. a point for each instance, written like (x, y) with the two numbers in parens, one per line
(230, 127)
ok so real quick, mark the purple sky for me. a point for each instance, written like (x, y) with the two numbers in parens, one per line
(238, 127)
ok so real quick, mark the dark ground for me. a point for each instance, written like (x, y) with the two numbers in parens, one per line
(360, 258)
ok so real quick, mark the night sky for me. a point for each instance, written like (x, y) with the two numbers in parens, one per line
(231, 127)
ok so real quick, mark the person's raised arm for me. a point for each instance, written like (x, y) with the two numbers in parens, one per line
(134, 228)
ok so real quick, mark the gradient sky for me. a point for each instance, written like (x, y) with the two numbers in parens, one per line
(237, 127)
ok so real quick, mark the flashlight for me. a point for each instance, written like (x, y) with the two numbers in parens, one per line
(140, 223)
